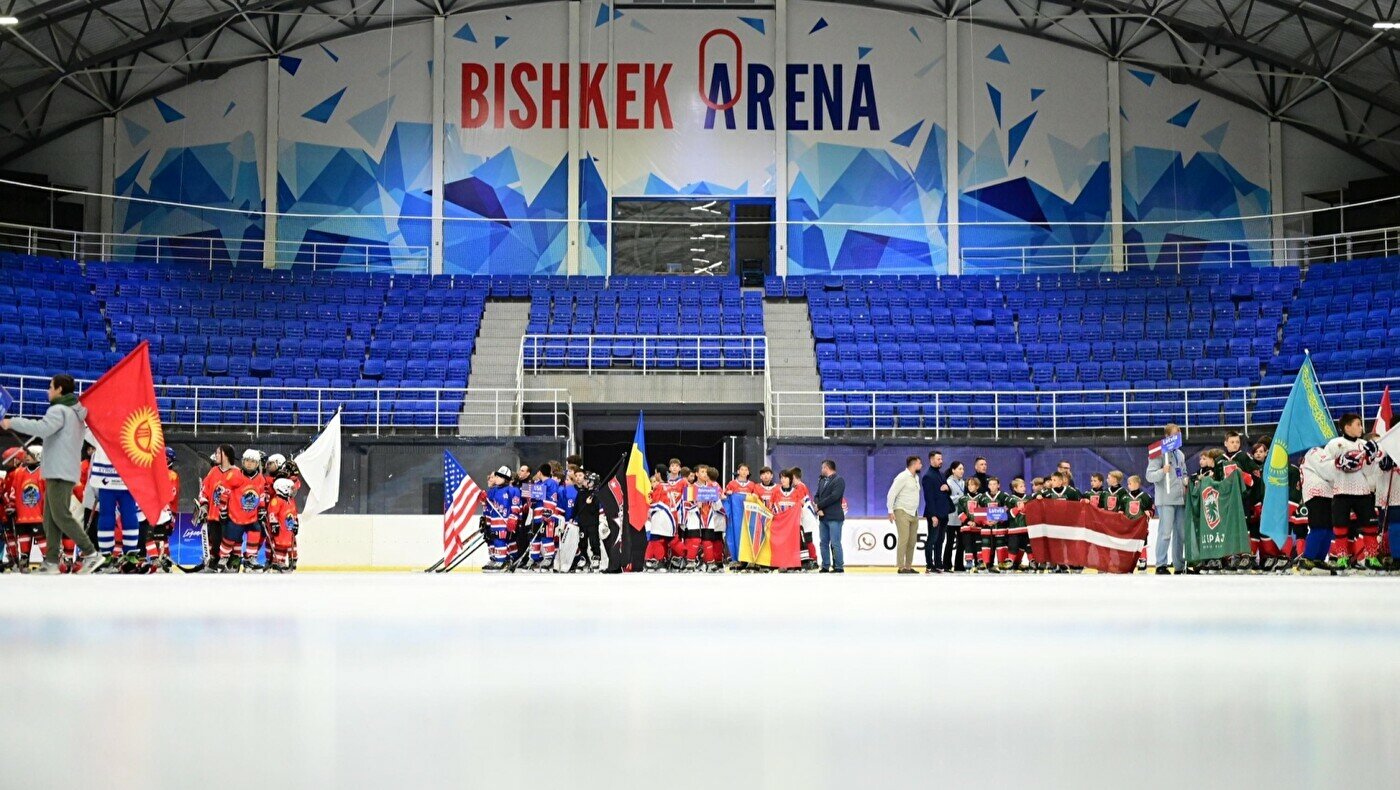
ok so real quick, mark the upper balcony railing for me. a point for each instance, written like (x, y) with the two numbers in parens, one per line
(646, 354)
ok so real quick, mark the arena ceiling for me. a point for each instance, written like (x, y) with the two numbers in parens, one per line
(1316, 65)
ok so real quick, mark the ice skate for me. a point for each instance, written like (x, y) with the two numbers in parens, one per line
(109, 564)
(714, 567)
(691, 566)
(493, 567)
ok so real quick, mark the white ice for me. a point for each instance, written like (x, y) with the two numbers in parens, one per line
(862, 680)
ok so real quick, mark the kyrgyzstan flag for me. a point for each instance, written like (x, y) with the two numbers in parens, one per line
(638, 480)
(122, 415)
(1081, 535)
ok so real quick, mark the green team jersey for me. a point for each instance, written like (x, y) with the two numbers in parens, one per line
(1109, 499)
(1135, 503)
(1010, 500)
(1068, 493)
(1215, 525)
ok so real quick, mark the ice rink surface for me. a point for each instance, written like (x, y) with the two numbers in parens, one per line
(863, 680)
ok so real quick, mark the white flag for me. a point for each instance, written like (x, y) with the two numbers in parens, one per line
(320, 470)
(1390, 444)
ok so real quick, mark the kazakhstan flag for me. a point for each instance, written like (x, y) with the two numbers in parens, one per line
(1305, 424)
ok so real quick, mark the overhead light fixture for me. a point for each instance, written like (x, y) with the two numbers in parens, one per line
(8, 21)
(1386, 25)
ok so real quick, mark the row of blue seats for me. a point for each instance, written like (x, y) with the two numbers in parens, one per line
(962, 348)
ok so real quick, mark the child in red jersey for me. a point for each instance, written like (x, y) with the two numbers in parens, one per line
(26, 499)
(741, 484)
(765, 486)
(810, 521)
(282, 524)
(244, 512)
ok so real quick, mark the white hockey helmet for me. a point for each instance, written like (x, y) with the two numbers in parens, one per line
(36, 450)
(277, 458)
(283, 487)
(253, 455)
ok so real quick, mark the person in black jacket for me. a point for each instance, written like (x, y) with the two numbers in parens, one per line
(586, 514)
(937, 505)
(831, 490)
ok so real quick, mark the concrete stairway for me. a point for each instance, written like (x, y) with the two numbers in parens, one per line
(792, 367)
(495, 366)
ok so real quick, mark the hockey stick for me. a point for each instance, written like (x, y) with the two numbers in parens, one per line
(473, 545)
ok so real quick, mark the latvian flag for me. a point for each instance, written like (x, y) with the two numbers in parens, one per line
(1081, 535)
(1154, 450)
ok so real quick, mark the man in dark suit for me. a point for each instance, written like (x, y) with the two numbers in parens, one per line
(831, 490)
(937, 505)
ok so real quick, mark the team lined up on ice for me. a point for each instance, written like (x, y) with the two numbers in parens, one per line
(237, 508)
(1340, 499)
(525, 515)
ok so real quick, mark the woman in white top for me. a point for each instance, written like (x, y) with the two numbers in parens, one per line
(957, 491)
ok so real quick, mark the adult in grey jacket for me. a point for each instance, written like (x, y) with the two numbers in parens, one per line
(1167, 474)
(62, 431)
(831, 489)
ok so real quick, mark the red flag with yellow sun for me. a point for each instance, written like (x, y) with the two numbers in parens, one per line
(122, 415)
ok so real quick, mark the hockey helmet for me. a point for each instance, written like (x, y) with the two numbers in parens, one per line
(169, 455)
(503, 473)
(37, 451)
(283, 487)
(11, 455)
(277, 459)
(253, 455)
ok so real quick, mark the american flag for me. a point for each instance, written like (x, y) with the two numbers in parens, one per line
(461, 497)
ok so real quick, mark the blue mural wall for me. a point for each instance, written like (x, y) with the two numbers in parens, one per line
(866, 166)
(1192, 165)
(1033, 158)
(194, 147)
(355, 148)
(871, 197)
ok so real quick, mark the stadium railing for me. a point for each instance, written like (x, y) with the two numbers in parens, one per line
(472, 411)
(211, 252)
(647, 354)
(1285, 251)
(993, 414)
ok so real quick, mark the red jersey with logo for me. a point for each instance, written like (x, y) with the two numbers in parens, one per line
(786, 500)
(282, 520)
(26, 494)
(737, 486)
(765, 493)
(245, 497)
(677, 493)
(215, 489)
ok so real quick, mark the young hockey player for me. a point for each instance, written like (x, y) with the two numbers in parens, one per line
(1317, 472)
(546, 511)
(1297, 519)
(765, 486)
(974, 520)
(114, 501)
(1018, 540)
(281, 524)
(1112, 491)
(1037, 486)
(1133, 503)
(26, 499)
(1387, 486)
(500, 515)
(1096, 490)
(1057, 488)
(157, 540)
(212, 504)
(789, 494)
(1352, 497)
(244, 512)
(1217, 538)
(661, 527)
(741, 484)
(810, 522)
(588, 514)
(7, 511)
(993, 555)
(705, 523)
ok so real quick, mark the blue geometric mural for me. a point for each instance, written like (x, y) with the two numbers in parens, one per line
(866, 186)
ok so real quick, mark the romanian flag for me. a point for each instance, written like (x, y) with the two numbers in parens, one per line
(638, 481)
(122, 415)
(772, 541)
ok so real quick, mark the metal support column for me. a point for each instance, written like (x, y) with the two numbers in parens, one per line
(440, 142)
(575, 183)
(952, 177)
(780, 141)
(1115, 166)
(1276, 201)
(269, 168)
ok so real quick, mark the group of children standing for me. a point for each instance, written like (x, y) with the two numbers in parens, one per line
(240, 505)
